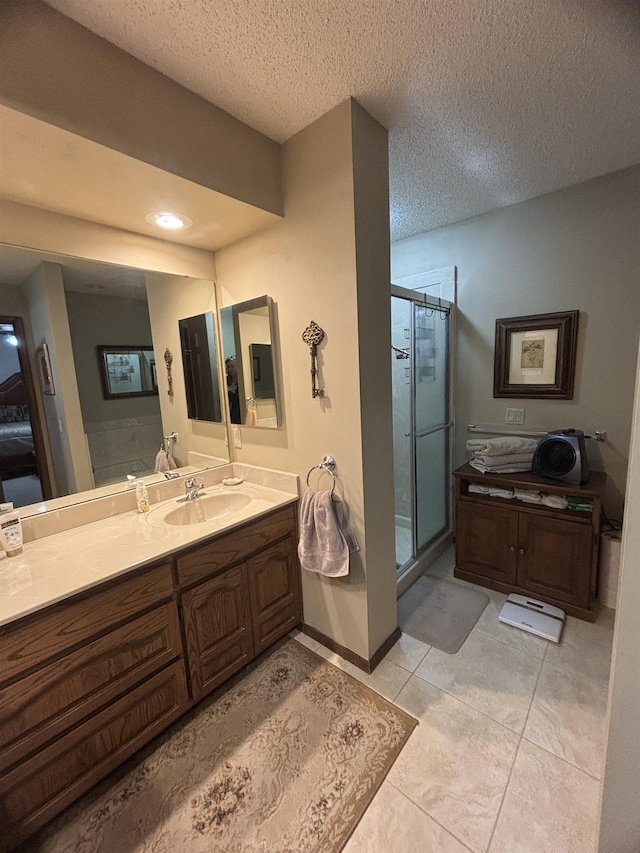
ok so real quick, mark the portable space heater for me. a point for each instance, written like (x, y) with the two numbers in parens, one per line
(562, 455)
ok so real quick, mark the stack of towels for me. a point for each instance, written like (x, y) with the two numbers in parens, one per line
(506, 455)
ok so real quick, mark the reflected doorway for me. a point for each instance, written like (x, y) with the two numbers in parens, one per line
(23, 471)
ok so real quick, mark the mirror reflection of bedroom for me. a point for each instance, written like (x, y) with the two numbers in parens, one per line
(19, 470)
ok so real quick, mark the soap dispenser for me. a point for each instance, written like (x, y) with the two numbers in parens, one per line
(142, 496)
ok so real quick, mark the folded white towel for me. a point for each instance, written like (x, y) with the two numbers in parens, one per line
(527, 496)
(164, 462)
(326, 539)
(500, 446)
(478, 489)
(555, 501)
(499, 469)
(504, 459)
(501, 493)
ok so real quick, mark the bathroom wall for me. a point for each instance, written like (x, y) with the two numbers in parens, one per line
(47, 310)
(576, 248)
(171, 299)
(55, 70)
(620, 790)
(328, 261)
(123, 435)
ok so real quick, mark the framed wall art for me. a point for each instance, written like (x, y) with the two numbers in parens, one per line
(44, 370)
(535, 356)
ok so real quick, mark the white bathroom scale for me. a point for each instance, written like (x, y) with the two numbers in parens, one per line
(533, 616)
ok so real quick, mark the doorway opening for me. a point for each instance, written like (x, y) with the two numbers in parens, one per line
(23, 470)
(422, 422)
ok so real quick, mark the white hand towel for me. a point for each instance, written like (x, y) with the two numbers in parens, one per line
(528, 496)
(478, 489)
(504, 459)
(164, 462)
(499, 469)
(555, 501)
(323, 546)
(499, 446)
(496, 492)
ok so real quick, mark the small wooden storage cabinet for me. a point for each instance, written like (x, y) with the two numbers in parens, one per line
(87, 682)
(512, 546)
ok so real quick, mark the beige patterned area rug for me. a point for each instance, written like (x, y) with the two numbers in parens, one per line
(286, 760)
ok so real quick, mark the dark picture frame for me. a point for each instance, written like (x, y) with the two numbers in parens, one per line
(535, 356)
(127, 371)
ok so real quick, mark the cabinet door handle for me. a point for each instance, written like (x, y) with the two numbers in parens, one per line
(512, 547)
(521, 551)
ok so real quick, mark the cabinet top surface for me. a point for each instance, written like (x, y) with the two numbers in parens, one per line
(593, 488)
(57, 567)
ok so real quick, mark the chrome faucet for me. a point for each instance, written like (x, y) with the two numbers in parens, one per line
(192, 488)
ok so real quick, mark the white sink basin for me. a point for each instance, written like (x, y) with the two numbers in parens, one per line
(207, 508)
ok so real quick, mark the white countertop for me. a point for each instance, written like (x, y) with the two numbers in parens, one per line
(59, 566)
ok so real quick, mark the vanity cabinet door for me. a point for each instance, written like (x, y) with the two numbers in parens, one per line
(274, 586)
(217, 625)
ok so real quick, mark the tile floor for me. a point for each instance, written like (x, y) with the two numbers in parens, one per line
(510, 747)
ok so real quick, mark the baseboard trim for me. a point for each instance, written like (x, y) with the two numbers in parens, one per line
(362, 663)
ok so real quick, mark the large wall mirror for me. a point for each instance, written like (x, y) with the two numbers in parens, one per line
(93, 439)
(251, 363)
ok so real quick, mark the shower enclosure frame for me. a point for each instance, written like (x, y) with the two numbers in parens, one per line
(421, 552)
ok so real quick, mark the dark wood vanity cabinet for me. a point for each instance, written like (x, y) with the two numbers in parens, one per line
(240, 611)
(83, 685)
(86, 683)
(508, 545)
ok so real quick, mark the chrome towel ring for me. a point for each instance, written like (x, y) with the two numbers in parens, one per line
(328, 464)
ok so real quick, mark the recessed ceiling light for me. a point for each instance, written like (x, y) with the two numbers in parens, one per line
(168, 220)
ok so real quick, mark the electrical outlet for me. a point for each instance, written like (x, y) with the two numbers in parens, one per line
(237, 437)
(514, 416)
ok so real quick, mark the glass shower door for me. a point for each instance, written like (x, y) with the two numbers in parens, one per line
(421, 421)
(431, 421)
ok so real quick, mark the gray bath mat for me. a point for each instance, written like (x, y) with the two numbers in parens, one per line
(440, 613)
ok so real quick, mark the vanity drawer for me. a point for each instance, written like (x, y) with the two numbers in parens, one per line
(49, 701)
(43, 636)
(39, 788)
(236, 546)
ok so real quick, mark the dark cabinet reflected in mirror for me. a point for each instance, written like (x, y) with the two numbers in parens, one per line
(201, 378)
(251, 363)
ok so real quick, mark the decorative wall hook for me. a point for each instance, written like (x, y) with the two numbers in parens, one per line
(312, 336)
(168, 360)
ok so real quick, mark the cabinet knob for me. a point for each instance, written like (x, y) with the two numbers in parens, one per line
(512, 547)
(521, 551)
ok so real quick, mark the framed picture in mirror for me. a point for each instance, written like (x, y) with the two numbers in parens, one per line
(127, 371)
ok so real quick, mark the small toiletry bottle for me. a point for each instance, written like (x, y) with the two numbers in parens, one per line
(10, 530)
(142, 496)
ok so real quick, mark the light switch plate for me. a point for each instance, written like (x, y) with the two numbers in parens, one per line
(237, 437)
(514, 416)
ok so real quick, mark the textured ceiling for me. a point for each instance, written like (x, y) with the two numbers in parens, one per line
(488, 102)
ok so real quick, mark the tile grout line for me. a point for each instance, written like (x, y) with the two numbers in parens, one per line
(504, 795)
(430, 816)
(467, 705)
(565, 760)
(533, 696)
